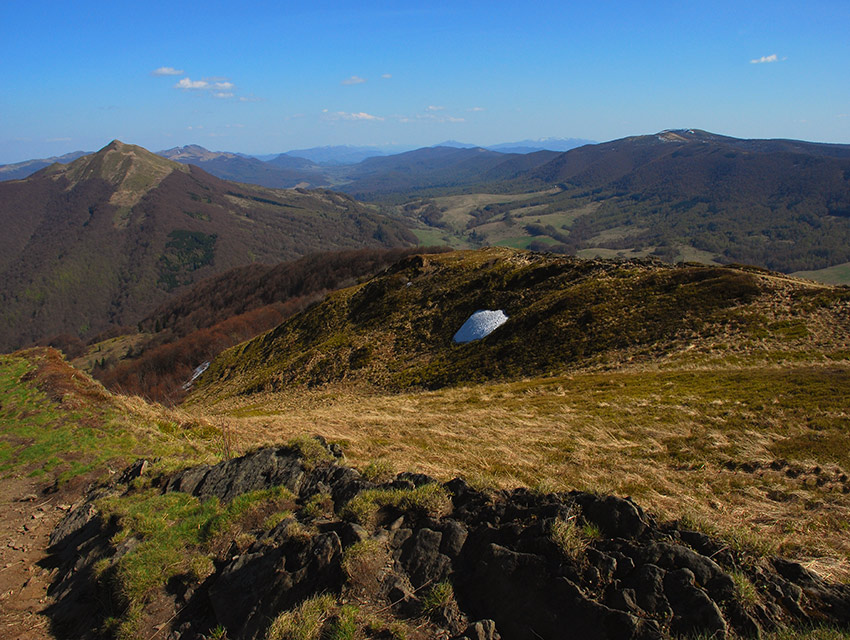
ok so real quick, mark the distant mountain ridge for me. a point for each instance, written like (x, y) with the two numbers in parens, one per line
(20, 170)
(103, 240)
(275, 174)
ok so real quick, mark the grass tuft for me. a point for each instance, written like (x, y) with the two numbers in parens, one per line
(313, 452)
(428, 498)
(378, 471)
(572, 536)
(304, 622)
(440, 595)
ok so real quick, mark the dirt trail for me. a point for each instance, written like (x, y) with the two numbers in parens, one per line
(27, 516)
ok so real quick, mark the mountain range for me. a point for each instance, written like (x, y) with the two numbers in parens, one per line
(101, 241)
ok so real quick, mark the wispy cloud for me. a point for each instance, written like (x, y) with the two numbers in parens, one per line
(220, 88)
(429, 117)
(475, 109)
(167, 71)
(771, 58)
(354, 80)
(188, 84)
(362, 115)
(432, 107)
(345, 115)
(386, 76)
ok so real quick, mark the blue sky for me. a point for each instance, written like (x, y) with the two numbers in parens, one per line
(265, 77)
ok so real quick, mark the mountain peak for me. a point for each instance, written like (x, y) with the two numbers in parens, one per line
(132, 170)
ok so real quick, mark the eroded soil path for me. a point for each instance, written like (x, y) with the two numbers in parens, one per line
(27, 516)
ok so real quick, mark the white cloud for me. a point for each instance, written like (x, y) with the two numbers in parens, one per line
(221, 88)
(354, 80)
(386, 76)
(362, 115)
(433, 108)
(476, 109)
(167, 71)
(453, 119)
(188, 84)
(344, 115)
(771, 58)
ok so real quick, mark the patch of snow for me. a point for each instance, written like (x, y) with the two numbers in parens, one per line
(480, 325)
(195, 374)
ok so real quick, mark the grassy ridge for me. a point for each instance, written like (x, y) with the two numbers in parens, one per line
(59, 424)
(396, 330)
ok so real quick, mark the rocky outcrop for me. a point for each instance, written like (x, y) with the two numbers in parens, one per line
(513, 575)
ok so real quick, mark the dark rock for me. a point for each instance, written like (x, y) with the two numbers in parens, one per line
(135, 470)
(263, 469)
(250, 590)
(352, 533)
(633, 583)
(694, 612)
(517, 591)
(745, 625)
(605, 565)
(615, 516)
(401, 597)
(418, 479)
(480, 630)
(671, 556)
(648, 585)
(398, 537)
(188, 480)
(422, 560)
(454, 537)
(73, 526)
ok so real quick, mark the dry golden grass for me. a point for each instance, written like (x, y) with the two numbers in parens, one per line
(750, 452)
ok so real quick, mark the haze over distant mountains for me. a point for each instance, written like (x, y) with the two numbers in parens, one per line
(239, 166)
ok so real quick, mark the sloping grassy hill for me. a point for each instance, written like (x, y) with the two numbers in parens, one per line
(713, 394)
(62, 427)
(396, 330)
(220, 312)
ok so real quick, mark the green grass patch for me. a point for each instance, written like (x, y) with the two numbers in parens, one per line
(364, 507)
(58, 422)
(438, 596)
(172, 534)
(304, 622)
(313, 452)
